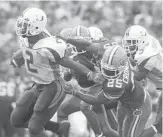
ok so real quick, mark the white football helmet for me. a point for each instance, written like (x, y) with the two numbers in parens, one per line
(113, 62)
(96, 33)
(32, 22)
(134, 39)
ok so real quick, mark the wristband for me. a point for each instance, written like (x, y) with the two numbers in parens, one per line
(88, 74)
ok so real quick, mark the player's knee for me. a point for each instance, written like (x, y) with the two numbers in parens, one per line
(34, 130)
(85, 106)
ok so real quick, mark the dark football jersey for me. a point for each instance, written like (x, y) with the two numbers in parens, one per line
(125, 88)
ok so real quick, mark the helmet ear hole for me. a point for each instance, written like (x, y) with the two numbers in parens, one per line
(36, 27)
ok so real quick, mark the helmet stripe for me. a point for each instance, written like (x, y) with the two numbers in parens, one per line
(78, 31)
(112, 54)
(128, 30)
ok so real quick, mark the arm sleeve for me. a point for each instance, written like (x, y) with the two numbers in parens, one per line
(85, 45)
(77, 67)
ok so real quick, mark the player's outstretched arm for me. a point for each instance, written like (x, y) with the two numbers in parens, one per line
(81, 69)
(88, 98)
(140, 74)
(83, 44)
(77, 67)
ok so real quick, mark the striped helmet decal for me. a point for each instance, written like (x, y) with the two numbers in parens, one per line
(112, 54)
(78, 31)
(128, 30)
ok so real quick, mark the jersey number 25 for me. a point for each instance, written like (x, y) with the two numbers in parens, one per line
(114, 83)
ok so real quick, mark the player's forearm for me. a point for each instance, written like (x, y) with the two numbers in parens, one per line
(79, 43)
(77, 67)
(88, 98)
(139, 75)
(85, 45)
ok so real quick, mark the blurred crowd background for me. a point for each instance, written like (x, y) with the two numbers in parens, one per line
(113, 17)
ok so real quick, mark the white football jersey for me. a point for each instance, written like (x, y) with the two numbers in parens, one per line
(41, 59)
(151, 59)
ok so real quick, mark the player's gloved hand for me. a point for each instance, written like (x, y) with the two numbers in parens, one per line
(96, 77)
(70, 89)
(68, 76)
(17, 59)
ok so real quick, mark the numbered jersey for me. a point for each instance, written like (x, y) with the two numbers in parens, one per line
(125, 88)
(150, 58)
(41, 61)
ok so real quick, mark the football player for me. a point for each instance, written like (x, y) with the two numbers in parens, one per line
(134, 103)
(98, 37)
(42, 56)
(91, 61)
(73, 104)
(145, 51)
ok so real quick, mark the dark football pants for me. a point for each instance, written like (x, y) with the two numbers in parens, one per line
(36, 107)
(111, 116)
(159, 108)
(70, 105)
(5, 112)
(131, 123)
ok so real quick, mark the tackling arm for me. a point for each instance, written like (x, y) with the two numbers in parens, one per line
(77, 67)
(140, 74)
(99, 99)
(85, 45)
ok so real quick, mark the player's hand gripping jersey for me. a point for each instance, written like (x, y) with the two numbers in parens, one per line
(41, 61)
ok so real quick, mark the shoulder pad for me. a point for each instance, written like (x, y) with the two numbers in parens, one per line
(52, 43)
(152, 49)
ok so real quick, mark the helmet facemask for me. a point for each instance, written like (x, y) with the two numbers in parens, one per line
(22, 26)
(111, 72)
(134, 39)
(131, 45)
